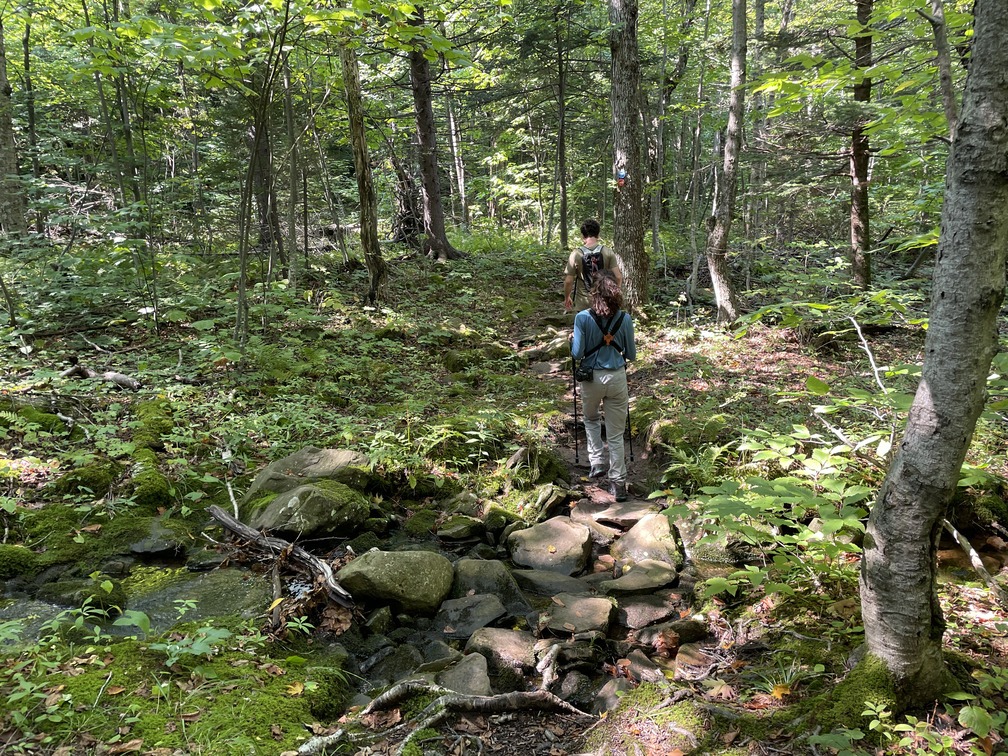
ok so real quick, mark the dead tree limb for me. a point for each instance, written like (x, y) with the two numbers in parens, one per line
(318, 568)
(1000, 594)
(119, 379)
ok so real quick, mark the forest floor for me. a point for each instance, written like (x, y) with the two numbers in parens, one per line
(338, 373)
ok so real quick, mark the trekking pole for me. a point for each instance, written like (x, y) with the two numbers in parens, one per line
(628, 426)
(577, 460)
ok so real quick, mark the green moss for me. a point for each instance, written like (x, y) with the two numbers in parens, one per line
(151, 489)
(229, 709)
(329, 693)
(95, 479)
(45, 420)
(421, 523)
(644, 703)
(364, 542)
(144, 580)
(413, 748)
(869, 682)
(17, 561)
(155, 422)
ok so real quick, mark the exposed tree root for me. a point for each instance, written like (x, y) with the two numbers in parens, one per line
(448, 702)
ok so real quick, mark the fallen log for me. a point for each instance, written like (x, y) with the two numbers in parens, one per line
(316, 567)
(119, 379)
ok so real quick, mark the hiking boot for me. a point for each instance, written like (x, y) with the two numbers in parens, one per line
(619, 490)
(597, 471)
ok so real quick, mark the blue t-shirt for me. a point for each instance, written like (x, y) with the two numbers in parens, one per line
(587, 335)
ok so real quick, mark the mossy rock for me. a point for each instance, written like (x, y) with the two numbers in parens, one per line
(150, 488)
(422, 523)
(457, 361)
(155, 422)
(496, 518)
(17, 561)
(104, 593)
(328, 697)
(95, 479)
(364, 542)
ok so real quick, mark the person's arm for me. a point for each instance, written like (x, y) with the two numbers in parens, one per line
(568, 288)
(578, 341)
(630, 350)
(618, 275)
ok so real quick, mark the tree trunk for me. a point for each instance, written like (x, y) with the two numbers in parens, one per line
(455, 140)
(292, 197)
(944, 60)
(860, 236)
(436, 243)
(717, 243)
(30, 106)
(12, 205)
(561, 169)
(902, 618)
(377, 272)
(628, 231)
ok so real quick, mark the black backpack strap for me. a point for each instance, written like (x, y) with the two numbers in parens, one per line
(608, 331)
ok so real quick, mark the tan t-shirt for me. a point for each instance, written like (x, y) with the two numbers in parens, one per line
(573, 268)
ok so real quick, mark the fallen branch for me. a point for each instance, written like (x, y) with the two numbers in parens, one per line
(1000, 594)
(275, 546)
(119, 379)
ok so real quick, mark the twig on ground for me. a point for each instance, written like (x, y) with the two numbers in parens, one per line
(547, 666)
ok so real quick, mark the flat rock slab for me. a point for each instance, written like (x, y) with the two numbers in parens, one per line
(469, 676)
(416, 580)
(461, 617)
(623, 514)
(557, 545)
(511, 649)
(636, 612)
(579, 614)
(546, 583)
(644, 577)
(475, 576)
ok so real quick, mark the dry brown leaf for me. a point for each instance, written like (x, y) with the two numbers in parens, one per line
(276, 731)
(729, 737)
(558, 602)
(92, 528)
(780, 690)
(191, 716)
(133, 746)
(569, 627)
(115, 690)
(449, 629)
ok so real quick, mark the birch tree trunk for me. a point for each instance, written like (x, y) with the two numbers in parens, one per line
(30, 106)
(12, 206)
(902, 618)
(717, 242)
(860, 236)
(628, 231)
(561, 166)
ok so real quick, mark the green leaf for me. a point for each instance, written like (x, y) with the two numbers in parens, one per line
(204, 325)
(977, 719)
(817, 387)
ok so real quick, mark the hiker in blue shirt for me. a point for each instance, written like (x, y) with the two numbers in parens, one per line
(604, 342)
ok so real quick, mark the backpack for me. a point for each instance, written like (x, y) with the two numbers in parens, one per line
(592, 263)
(608, 330)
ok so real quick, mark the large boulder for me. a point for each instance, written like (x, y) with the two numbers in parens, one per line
(461, 617)
(557, 545)
(327, 507)
(308, 466)
(415, 580)
(504, 649)
(579, 614)
(651, 538)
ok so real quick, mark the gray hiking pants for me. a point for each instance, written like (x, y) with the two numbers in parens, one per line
(608, 390)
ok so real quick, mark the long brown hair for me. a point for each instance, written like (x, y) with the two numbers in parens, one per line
(606, 296)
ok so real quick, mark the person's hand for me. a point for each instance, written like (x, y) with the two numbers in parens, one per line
(568, 304)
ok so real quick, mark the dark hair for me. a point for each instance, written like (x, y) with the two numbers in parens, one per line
(590, 227)
(606, 295)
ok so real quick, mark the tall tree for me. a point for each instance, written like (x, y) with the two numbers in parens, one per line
(717, 242)
(902, 617)
(859, 226)
(377, 271)
(12, 206)
(436, 242)
(628, 231)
